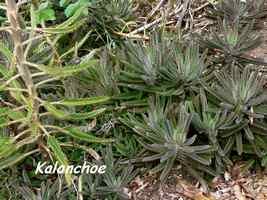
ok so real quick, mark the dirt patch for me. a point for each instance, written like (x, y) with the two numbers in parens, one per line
(261, 51)
(232, 186)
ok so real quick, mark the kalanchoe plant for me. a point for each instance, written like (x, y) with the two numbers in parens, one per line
(109, 18)
(162, 67)
(232, 42)
(113, 183)
(104, 76)
(166, 139)
(143, 63)
(48, 190)
(208, 119)
(240, 93)
(23, 81)
(105, 19)
(185, 67)
(62, 100)
(239, 10)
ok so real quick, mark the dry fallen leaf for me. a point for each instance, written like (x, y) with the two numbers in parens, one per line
(261, 196)
(200, 196)
(238, 193)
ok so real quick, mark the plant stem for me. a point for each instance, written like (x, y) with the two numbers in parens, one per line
(25, 73)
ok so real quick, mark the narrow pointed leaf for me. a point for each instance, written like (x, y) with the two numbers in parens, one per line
(249, 133)
(6, 147)
(83, 101)
(60, 156)
(239, 143)
(72, 116)
(13, 159)
(68, 70)
(87, 137)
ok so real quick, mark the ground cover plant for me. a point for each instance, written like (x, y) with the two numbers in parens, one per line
(88, 80)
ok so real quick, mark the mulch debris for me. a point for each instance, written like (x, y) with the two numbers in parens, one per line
(233, 185)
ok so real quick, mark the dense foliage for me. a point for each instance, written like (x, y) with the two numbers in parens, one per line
(75, 87)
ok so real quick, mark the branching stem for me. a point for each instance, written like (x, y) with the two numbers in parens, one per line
(24, 71)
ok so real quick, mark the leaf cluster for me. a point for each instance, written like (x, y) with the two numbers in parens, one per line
(193, 101)
(238, 10)
(162, 67)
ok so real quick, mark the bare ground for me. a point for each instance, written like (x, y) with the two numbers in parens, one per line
(231, 186)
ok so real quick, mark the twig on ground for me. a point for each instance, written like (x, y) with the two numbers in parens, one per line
(238, 193)
(133, 36)
(157, 21)
(201, 7)
(159, 5)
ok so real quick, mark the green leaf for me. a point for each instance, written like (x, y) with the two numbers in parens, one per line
(48, 14)
(4, 111)
(16, 115)
(68, 70)
(249, 133)
(6, 52)
(86, 115)
(71, 116)
(60, 156)
(246, 166)
(7, 74)
(13, 159)
(72, 8)
(34, 129)
(3, 121)
(70, 22)
(83, 101)
(76, 133)
(167, 168)
(54, 111)
(44, 13)
(34, 18)
(239, 143)
(7, 147)
(77, 45)
(65, 28)
(63, 3)
(264, 161)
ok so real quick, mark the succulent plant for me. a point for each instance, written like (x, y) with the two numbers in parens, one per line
(233, 42)
(238, 10)
(240, 93)
(208, 119)
(162, 67)
(78, 75)
(113, 183)
(167, 140)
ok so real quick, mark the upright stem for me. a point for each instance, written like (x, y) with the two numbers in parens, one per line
(22, 68)
(16, 36)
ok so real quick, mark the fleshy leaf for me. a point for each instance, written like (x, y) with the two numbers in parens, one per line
(6, 147)
(72, 116)
(68, 70)
(76, 133)
(59, 155)
(83, 101)
(44, 13)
